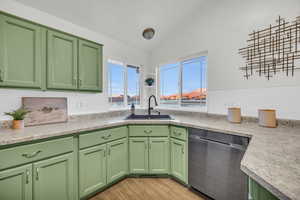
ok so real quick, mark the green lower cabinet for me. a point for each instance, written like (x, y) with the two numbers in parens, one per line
(138, 155)
(159, 155)
(179, 159)
(92, 169)
(16, 184)
(117, 159)
(53, 178)
(257, 192)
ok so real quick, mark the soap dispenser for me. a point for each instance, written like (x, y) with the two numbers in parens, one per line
(132, 109)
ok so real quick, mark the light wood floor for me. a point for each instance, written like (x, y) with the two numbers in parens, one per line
(147, 189)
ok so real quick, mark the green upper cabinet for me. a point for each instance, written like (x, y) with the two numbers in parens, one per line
(61, 61)
(179, 159)
(34, 56)
(92, 169)
(53, 178)
(138, 155)
(117, 159)
(16, 184)
(90, 66)
(159, 158)
(20, 53)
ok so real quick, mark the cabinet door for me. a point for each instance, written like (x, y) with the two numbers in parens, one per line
(20, 53)
(16, 184)
(90, 66)
(257, 192)
(53, 178)
(92, 169)
(138, 155)
(159, 158)
(61, 61)
(117, 159)
(179, 159)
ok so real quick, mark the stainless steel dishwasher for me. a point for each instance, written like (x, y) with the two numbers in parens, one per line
(214, 164)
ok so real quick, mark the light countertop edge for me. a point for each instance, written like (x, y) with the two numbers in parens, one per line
(72, 128)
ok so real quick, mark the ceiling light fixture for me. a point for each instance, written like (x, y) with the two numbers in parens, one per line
(148, 33)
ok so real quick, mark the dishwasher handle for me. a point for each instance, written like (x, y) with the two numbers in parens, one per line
(230, 145)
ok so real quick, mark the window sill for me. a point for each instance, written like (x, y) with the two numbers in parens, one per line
(189, 109)
(122, 108)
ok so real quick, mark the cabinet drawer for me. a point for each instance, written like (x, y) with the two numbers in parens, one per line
(178, 132)
(31, 152)
(101, 136)
(148, 130)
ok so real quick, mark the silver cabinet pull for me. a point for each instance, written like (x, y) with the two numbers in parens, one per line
(37, 174)
(177, 133)
(27, 176)
(26, 155)
(148, 131)
(1, 77)
(182, 150)
(106, 137)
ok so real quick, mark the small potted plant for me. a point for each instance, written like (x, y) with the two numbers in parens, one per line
(18, 117)
(149, 81)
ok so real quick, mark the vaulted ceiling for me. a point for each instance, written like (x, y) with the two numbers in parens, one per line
(123, 20)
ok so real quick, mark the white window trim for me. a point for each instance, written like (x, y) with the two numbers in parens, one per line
(125, 65)
(180, 61)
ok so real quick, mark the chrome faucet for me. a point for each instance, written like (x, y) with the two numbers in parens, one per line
(149, 104)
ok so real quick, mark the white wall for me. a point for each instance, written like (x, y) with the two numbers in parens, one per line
(221, 28)
(78, 103)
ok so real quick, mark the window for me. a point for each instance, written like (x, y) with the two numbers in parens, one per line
(194, 82)
(133, 85)
(123, 82)
(116, 83)
(169, 84)
(184, 83)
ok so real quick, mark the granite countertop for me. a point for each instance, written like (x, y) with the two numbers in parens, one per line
(272, 157)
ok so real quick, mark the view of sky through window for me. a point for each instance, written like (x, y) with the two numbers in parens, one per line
(117, 84)
(133, 89)
(184, 82)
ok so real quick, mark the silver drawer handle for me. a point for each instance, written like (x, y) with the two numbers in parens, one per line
(106, 137)
(148, 131)
(26, 155)
(177, 133)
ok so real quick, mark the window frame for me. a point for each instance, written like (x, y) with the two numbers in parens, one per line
(125, 79)
(179, 104)
(139, 84)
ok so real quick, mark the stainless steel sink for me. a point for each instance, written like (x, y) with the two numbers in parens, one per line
(143, 117)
